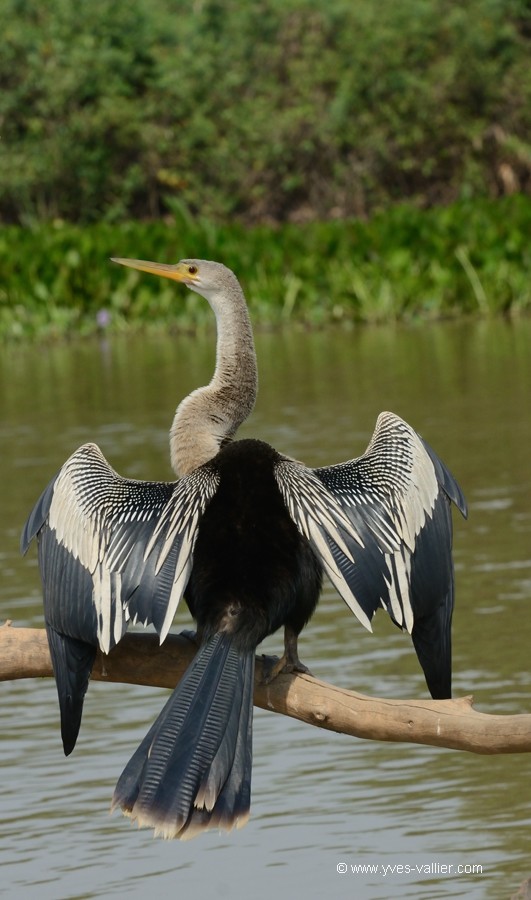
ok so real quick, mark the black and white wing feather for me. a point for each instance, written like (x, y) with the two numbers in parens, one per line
(398, 492)
(112, 549)
(394, 550)
(351, 564)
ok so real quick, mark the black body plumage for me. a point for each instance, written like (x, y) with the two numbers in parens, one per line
(245, 535)
(253, 571)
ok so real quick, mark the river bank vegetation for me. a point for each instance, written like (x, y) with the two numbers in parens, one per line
(469, 257)
(351, 161)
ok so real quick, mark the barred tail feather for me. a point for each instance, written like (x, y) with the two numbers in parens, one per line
(192, 771)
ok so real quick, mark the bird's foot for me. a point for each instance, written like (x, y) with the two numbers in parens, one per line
(287, 665)
(190, 636)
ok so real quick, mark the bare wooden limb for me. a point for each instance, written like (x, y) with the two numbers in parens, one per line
(139, 660)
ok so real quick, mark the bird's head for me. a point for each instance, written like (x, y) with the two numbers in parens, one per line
(203, 276)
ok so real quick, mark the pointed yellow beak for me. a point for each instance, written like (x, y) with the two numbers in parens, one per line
(178, 272)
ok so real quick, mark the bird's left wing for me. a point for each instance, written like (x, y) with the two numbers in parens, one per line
(113, 549)
(399, 492)
(371, 518)
(350, 558)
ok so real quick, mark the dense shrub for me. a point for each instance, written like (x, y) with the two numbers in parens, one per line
(273, 110)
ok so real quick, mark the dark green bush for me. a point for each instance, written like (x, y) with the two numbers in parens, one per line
(267, 111)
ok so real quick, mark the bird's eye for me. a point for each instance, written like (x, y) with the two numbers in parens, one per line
(192, 270)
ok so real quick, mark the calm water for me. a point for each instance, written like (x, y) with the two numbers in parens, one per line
(319, 799)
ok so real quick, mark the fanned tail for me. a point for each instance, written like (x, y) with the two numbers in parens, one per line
(192, 771)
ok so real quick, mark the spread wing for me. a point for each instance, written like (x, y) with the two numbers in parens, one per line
(396, 547)
(112, 549)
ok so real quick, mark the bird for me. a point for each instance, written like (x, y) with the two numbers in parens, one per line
(245, 533)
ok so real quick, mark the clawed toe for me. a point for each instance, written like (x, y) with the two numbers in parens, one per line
(273, 666)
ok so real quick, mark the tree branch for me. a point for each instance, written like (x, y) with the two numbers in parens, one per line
(139, 659)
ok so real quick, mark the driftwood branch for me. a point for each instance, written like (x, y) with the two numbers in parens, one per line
(139, 659)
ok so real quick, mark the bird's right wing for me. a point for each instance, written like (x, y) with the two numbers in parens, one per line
(334, 537)
(113, 549)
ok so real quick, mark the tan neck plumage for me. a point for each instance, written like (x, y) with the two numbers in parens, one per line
(211, 415)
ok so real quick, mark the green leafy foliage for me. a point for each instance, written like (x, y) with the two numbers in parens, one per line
(470, 257)
(274, 110)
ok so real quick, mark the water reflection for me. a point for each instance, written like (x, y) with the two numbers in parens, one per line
(319, 799)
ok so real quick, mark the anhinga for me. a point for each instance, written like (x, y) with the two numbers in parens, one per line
(244, 534)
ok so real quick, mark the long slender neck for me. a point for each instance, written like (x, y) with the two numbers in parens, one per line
(211, 415)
